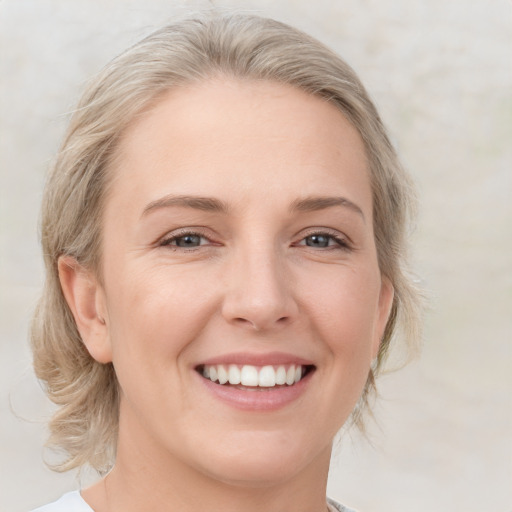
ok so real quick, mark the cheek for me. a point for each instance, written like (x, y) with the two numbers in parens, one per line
(154, 318)
(155, 312)
(345, 312)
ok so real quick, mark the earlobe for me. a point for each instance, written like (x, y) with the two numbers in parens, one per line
(386, 296)
(86, 300)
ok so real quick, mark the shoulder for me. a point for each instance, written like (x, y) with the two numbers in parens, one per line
(334, 506)
(70, 502)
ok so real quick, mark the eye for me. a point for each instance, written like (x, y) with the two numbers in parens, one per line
(318, 240)
(324, 241)
(185, 240)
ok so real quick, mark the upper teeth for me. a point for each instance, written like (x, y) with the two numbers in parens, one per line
(248, 375)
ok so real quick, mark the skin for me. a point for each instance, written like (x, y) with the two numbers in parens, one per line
(256, 283)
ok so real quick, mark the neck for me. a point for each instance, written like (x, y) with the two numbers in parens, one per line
(147, 480)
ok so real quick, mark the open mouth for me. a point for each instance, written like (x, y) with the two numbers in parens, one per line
(249, 376)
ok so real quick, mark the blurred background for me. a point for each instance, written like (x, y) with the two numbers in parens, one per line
(440, 72)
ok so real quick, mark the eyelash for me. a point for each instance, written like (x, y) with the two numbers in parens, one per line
(339, 242)
(168, 241)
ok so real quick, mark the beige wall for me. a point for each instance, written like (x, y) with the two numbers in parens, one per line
(440, 71)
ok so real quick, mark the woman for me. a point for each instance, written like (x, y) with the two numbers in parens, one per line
(224, 234)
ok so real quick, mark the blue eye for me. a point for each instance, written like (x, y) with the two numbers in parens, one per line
(324, 241)
(188, 241)
(318, 240)
(185, 241)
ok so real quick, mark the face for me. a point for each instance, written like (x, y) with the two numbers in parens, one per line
(241, 294)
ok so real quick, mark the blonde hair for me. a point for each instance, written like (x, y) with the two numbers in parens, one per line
(240, 46)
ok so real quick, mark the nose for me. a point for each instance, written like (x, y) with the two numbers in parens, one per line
(259, 293)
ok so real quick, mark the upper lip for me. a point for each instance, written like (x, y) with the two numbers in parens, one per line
(266, 359)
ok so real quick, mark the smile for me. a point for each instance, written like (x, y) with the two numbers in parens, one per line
(268, 376)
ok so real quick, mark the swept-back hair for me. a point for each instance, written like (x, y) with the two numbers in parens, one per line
(243, 47)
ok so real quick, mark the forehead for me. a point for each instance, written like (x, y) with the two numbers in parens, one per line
(224, 134)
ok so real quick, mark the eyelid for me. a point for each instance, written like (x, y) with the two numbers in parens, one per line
(342, 240)
(165, 240)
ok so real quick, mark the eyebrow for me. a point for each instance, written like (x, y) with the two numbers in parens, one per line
(211, 204)
(207, 204)
(310, 204)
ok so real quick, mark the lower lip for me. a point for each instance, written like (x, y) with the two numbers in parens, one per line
(257, 399)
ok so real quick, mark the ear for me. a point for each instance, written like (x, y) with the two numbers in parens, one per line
(386, 296)
(86, 300)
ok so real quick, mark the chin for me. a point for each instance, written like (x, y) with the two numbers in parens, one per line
(251, 474)
(262, 462)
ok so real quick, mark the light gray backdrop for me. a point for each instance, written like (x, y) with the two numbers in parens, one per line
(440, 71)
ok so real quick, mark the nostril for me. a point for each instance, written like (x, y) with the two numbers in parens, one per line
(261, 324)
(240, 320)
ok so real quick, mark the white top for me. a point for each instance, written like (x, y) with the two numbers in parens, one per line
(70, 502)
(73, 502)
